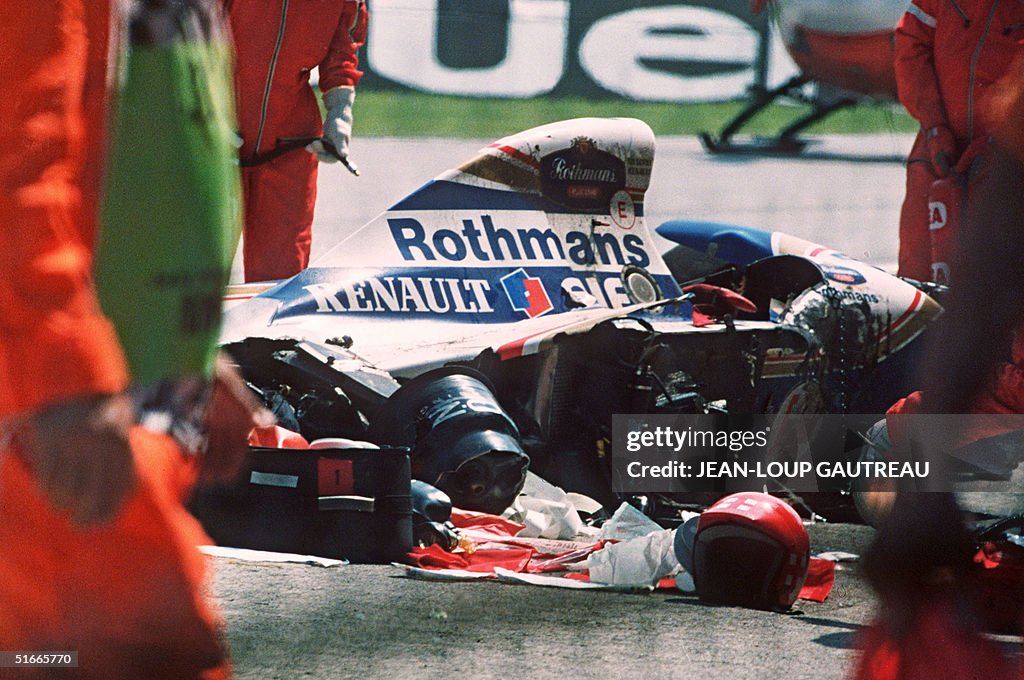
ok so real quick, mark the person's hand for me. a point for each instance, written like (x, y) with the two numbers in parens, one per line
(941, 149)
(233, 411)
(974, 158)
(80, 455)
(337, 125)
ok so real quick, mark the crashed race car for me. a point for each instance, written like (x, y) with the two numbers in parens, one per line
(494, 320)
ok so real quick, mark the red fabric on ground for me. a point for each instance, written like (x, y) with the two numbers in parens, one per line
(549, 563)
(436, 557)
(821, 576)
(481, 521)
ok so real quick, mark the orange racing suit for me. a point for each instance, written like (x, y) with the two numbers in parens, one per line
(277, 44)
(126, 595)
(949, 56)
(929, 623)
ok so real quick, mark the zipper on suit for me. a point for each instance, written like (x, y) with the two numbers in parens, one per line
(962, 13)
(355, 17)
(972, 73)
(265, 104)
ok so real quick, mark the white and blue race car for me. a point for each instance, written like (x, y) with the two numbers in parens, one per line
(519, 301)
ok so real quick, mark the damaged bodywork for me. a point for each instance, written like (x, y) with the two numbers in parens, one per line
(494, 320)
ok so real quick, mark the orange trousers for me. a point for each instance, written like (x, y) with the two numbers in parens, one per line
(280, 197)
(127, 596)
(915, 254)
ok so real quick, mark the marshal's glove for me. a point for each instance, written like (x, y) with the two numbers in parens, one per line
(974, 159)
(337, 125)
(941, 149)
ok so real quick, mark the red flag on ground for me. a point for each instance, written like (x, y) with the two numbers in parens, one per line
(821, 576)
(436, 557)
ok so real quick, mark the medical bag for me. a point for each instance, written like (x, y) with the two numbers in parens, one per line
(352, 504)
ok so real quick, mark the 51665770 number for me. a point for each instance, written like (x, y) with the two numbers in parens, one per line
(26, 659)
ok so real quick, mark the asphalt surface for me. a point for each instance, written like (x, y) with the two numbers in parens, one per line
(365, 621)
(370, 621)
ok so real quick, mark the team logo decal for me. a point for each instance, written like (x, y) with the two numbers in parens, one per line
(622, 210)
(526, 293)
(845, 275)
(582, 177)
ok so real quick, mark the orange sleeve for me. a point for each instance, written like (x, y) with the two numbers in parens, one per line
(916, 81)
(54, 342)
(341, 66)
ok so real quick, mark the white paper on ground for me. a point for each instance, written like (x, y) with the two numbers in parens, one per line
(507, 576)
(443, 574)
(627, 523)
(248, 555)
(838, 556)
(543, 546)
(549, 512)
(639, 561)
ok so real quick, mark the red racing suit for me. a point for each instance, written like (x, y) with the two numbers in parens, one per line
(924, 624)
(949, 56)
(126, 595)
(277, 43)
(1002, 395)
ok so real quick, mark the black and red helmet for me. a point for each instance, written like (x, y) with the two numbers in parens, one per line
(750, 549)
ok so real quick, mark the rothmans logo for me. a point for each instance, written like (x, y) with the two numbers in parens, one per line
(576, 172)
(573, 167)
(582, 176)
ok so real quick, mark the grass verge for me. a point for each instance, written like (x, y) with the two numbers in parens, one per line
(412, 114)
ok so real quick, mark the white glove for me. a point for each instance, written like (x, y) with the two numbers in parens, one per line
(337, 124)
